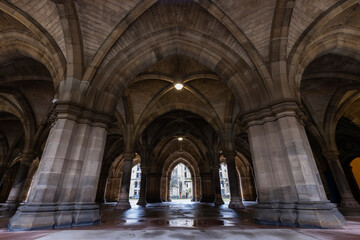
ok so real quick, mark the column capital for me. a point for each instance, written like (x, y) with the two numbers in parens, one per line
(230, 155)
(27, 157)
(128, 156)
(75, 112)
(273, 112)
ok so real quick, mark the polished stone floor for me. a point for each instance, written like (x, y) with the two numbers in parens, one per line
(182, 220)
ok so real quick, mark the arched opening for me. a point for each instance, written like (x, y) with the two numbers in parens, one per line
(135, 182)
(224, 182)
(7, 181)
(114, 180)
(181, 183)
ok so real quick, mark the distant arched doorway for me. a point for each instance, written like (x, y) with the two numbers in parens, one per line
(135, 182)
(180, 186)
(187, 161)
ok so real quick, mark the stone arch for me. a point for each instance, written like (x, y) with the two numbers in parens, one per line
(22, 110)
(246, 178)
(342, 41)
(211, 8)
(113, 182)
(216, 56)
(17, 44)
(145, 120)
(172, 161)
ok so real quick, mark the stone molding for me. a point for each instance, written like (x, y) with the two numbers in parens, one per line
(331, 156)
(128, 156)
(79, 114)
(27, 158)
(274, 112)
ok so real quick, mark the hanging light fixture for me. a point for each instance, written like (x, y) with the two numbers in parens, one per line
(180, 139)
(178, 86)
(178, 76)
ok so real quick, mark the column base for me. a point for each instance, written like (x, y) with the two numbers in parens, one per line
(304, 215)
(141, 202)
(123, 204)
(153, 200)
(218, 202)
(207, 199)
(349, 207)
(236, 204)
(31, 216)
(349, 203)
(9, 206)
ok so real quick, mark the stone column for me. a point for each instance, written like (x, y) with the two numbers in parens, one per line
(193, 199)
(235, 199)
(197, 188)
(153, 187)
(64, 187)
(290, 191)
(142, 197)
(123, 202)
(168, 199)
(218, 198)
(207, 193)
(12, 201)
(164, 187)
(347, 198)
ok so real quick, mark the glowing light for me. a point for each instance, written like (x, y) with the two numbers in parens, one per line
(179, 86)
(180, 138)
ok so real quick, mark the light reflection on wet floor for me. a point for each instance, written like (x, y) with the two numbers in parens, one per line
(176, 214)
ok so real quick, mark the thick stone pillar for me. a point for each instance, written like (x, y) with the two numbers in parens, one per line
(235, 199)
(12, 201)
(207, 193)
(123, 202)
(164, 188)
(153, 188)
(197, 188)
(218, 198)
(64, 187)
(168, 199)
(290, 191)
(193, 198)
(347, 198)
(142, 197)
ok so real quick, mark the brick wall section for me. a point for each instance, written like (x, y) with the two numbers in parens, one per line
(46, 14)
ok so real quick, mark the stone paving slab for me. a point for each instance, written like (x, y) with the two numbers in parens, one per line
(257, 234)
